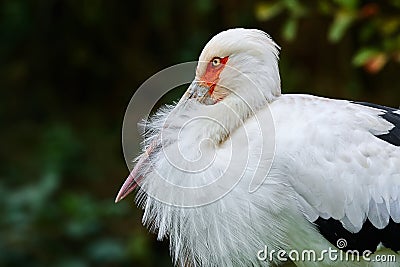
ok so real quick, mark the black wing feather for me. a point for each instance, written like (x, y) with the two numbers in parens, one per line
(367, 239)
(393, 137)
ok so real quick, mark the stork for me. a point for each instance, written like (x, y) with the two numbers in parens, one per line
(300, 173)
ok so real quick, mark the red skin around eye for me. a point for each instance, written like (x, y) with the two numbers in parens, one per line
(211, 76)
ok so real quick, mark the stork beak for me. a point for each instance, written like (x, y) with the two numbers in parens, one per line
(134, 177)
(199, 90)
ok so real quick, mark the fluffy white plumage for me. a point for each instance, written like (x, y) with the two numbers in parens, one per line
(328, 163)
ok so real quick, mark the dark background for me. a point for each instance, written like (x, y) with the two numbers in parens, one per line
(69, 68)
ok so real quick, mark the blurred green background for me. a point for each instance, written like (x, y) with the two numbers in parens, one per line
(69, 68)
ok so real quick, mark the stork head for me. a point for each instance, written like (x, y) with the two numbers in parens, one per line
(241, 62)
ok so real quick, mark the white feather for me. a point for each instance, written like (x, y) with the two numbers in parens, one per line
(350, 170)
(327, 163)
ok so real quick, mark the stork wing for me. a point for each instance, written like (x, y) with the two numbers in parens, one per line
(343, 160)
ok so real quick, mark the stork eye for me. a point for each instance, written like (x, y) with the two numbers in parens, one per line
(216, 61)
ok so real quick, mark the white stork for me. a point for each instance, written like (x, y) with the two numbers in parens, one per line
(333, 176)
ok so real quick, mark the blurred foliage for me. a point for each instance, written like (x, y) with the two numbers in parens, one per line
(377, 23)
(68, 69)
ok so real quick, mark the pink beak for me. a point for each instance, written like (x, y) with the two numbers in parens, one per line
(134, 178)
(195, 91)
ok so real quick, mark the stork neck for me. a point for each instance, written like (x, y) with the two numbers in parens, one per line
(225, 117)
